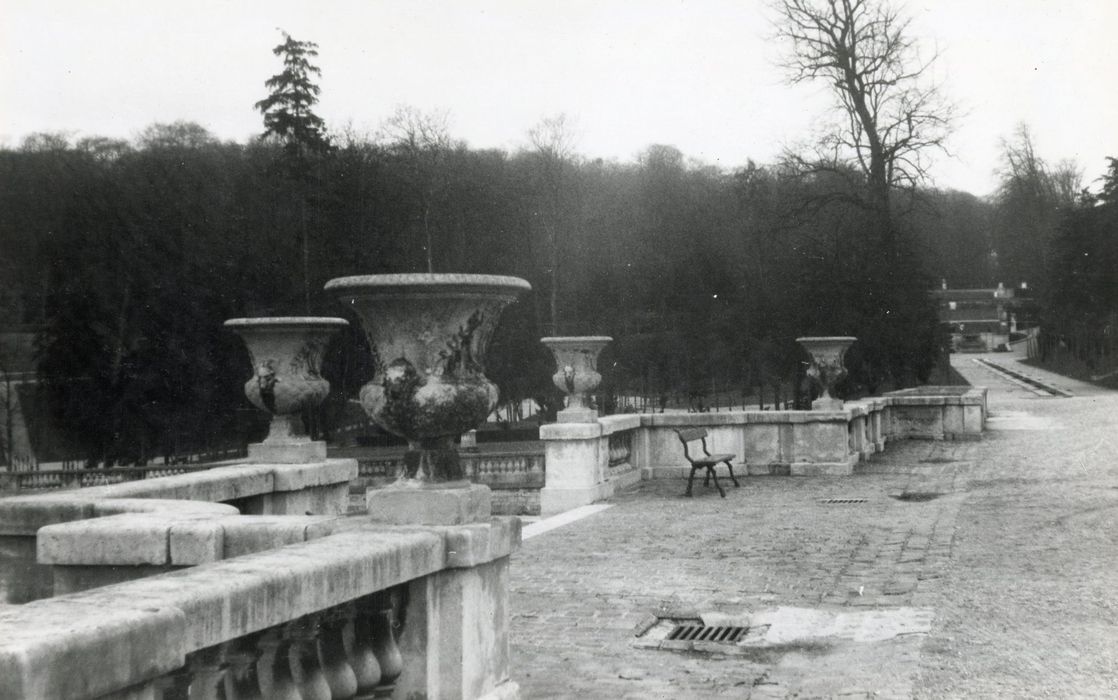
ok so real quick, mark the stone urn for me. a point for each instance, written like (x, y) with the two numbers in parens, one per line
(286, 354)
(429, 334)
(576, 358)
(826, 369)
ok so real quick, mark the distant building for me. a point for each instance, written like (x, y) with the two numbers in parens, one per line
(980, 319)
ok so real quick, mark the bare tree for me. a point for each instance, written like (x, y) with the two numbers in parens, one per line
(1028, 207)
(893, 115)
(424, 141)
(553, 143)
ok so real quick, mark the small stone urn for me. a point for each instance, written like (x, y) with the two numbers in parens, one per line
(429, 334)
(826, 368)
(286, 354)
(577, 360)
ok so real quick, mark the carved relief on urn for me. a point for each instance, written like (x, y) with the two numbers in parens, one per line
(576, 359)
(286, 354)
(429, 334)
(826, 370)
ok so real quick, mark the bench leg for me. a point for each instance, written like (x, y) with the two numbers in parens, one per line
(690, 478)
(714, 475)
(732, 477)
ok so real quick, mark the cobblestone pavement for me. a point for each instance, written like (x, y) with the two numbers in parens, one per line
(962, 569)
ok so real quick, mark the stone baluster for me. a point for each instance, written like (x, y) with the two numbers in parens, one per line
(276, 646)
(242, 682)
(333, 656)
(311, 681)
(383, 621)
(363, 659)
(208, 671)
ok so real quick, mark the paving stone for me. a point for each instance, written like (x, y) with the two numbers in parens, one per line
(578, 592)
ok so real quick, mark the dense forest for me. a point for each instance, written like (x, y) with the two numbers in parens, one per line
(126, 256)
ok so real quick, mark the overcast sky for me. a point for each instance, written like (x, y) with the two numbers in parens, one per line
(697, 74)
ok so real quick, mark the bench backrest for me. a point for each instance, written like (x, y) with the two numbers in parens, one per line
(687, 435)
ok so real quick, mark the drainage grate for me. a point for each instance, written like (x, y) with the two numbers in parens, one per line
(836, 501)
(719, 634)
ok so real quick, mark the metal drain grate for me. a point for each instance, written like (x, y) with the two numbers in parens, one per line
(839, 501)
(719, 634)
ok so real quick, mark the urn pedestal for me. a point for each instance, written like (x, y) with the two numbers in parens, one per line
(576, 358)
(286, 354)
(827, 353)
(429, 334)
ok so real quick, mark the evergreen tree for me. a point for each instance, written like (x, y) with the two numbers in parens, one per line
(287, 110)
(288, 117)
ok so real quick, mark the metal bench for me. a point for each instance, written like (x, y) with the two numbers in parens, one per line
(704, 461)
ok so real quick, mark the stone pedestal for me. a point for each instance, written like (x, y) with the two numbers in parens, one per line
(826, 404)
(576, 414)
(289, 453)
(409, 505)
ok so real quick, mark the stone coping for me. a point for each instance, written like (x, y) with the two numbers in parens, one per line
(117, 636)
(575, 340)
(427, 282)
(286, 322)
(181, 539)
(177, 494)
(672, 420)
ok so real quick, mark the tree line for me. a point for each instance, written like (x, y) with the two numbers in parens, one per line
(128, 255)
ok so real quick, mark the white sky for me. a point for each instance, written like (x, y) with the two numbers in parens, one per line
(697, 74)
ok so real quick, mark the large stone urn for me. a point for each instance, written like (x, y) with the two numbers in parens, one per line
(286, 354)
(576, 359)
(429, 334)
(827, 353)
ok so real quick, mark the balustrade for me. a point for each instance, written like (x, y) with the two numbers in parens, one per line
(349, 651)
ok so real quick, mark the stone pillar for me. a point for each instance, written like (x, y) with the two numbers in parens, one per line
(455, 640)
(577, 456)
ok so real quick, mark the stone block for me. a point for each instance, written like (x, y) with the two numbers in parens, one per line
(247, 534)
(162, 507)
(577, 415)
(570, 431)
(24, 515)
(405, 505)
(292, 477)
(118, 540)
(456, 639)
(196, 542)
(287, 453)
(472, 545)
(555, 499)
(77, 650)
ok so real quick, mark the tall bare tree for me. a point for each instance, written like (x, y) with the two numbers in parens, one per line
(1029, 205)
(423, 140)
(553, 144)
(893, 116)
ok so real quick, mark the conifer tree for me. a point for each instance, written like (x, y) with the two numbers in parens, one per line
(289, 118)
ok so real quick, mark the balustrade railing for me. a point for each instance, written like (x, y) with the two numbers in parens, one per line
(83, 478)
(362, 613)
(347, 651)
(491, 468)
